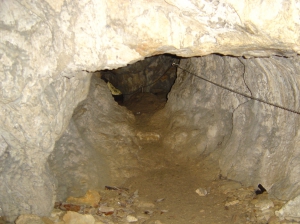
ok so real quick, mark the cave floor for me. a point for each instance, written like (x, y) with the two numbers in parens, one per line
(167, 187)
(168, 190)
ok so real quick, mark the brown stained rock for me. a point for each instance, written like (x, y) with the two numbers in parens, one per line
(91, 198)
(76, 218)
(70, 207)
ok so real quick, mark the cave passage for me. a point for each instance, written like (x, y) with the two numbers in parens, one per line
(160, 189)
(154, 75)
(161, 159)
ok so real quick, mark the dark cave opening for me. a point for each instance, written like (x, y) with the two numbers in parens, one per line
(151, 78)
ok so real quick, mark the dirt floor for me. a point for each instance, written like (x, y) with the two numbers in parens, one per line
(194, 192)
(171, 191)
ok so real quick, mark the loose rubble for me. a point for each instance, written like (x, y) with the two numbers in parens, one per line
(109, 206)
(114, 205)
(201, 191)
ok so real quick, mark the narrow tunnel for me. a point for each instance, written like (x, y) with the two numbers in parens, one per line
(97, 126)
(192, 152)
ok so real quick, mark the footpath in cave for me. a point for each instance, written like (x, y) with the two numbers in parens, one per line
(168, 190)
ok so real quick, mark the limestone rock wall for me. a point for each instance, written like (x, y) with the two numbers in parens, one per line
(98, 148)
(265, 140)
(201, 118)
(46, 47)
(30, 125)
(254, 142)
(108, 128)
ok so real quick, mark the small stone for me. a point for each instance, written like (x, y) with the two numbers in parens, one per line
(143, 204)
(230, 203)
(55, 216)
(247, 193)
(201, 191)
(148, 212)
(106, 210)
(135, 194)
(121, 213)
(56, 213)
(142, 217)
(264, 215)
(76, 218)
(131, 218)
(163, 211)
(29, 219)
(160, 200)
(229, 186)
(48, 220)
(91, 211)
(274, 220)
(91, 198)
(158, 222)
(263, 204)
(290, 211)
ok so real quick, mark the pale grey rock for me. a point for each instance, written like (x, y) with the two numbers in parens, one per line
(198, 113)
(98, 148)
(264, 139)
(263, 204)
(108, 128)
(254, 143)
(290, 210)
(131, 218)
(201, 191)
(231, 203)
(106, 209)
(46, 47)
(76, 165)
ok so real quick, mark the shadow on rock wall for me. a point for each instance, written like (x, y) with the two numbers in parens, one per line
(98, 147)
(254, 142)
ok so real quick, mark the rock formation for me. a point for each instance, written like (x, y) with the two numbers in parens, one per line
(154, 74)
(255, 143)
(47, 47)
(98, 148)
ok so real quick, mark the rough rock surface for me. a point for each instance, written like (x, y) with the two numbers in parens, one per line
(254, 142)
(47, 45)
(29, 219)
(154, 74)
(76, 218)
(98, 147)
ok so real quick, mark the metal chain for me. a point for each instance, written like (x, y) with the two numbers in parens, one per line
(239, 93)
